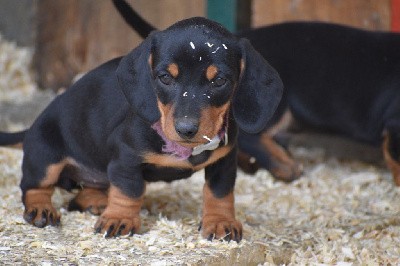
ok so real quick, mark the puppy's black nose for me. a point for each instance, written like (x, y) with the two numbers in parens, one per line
(186, 127)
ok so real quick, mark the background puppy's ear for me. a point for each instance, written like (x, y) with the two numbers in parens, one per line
(258, 93)
(135, 79)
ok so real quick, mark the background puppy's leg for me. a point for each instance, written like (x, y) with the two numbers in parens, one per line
(42, 164)
(282, 165)
(247, 163)
(218, 219)
(391, 152)
(269, 155)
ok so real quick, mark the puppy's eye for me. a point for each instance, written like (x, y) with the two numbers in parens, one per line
(218, 82)
(166, 79)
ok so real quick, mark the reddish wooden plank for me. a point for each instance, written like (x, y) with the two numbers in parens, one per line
(368, 14)
(396, 15)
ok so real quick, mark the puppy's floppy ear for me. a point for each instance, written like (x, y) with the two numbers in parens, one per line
(258, 93)
(135, 79)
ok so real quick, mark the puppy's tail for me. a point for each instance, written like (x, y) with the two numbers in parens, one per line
(133, 19)
(12, 139)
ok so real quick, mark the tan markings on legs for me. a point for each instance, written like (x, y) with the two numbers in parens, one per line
(219, 217)
(39, 210)
(122, 215)
(391, 163)
(211, 72)
(285, 168)
(53, 172)
(89, 199)
(38, 196)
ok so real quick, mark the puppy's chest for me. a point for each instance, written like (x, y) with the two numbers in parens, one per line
(152, 173)
(169, 168)
(161, 161)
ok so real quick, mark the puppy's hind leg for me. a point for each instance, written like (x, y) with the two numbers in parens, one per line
(88, 199)
(41, 168)
(268, 154)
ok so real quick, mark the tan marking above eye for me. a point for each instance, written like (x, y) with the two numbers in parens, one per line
(211, 72)
(173, 69)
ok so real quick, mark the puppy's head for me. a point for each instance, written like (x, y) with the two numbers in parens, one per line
(192, 74)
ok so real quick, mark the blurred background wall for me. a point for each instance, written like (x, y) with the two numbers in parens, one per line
(70, 37)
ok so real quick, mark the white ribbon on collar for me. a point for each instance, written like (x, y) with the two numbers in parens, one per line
(210, 146)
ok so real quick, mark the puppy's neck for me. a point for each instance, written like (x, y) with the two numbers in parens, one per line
(183, 153)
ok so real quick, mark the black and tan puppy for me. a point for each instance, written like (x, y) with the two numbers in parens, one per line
(265, 149)
(337, 79)
(165, 110)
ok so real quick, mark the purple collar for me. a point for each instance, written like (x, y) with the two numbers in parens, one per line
(183, 153)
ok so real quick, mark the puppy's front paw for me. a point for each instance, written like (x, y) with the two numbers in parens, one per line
(42, 215)
(122, 215)
(113, 224)
(215, 227)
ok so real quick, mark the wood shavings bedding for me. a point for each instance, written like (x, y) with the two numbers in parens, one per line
(338, 213)
(20, 100)
(16, 79)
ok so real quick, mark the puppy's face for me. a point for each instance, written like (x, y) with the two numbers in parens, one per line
(195, 75)
(187, 76)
